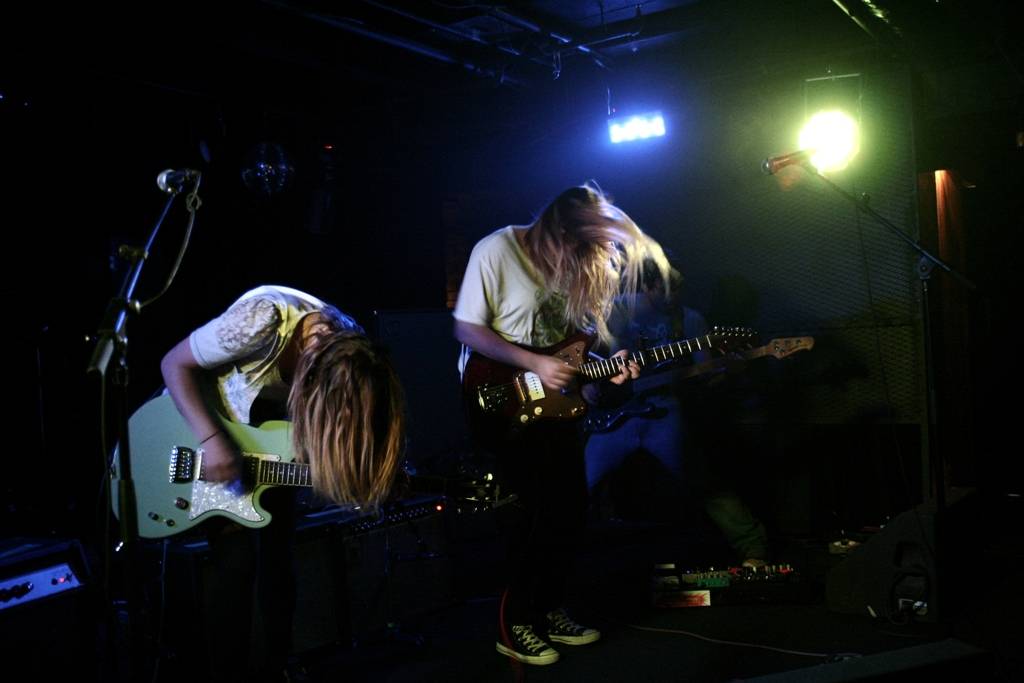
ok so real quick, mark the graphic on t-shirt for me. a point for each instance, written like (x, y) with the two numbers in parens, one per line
(248, 324)
(550, 325)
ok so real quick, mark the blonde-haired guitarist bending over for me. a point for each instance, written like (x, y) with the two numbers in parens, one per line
(281, 353)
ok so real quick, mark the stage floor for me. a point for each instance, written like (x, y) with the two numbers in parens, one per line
(788, 632)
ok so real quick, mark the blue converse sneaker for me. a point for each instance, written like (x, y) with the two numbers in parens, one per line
(527, 647)
(562, 629)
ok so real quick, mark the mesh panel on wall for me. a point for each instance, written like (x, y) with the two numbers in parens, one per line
(788, 255)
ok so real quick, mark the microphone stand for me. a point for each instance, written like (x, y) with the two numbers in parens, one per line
(936, 487)
(111, 352)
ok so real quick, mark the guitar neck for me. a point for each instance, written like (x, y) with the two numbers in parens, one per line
(262, 471)
(608, 367)
(777, 348)
(719, 363)
(277, 473)
(283, 474)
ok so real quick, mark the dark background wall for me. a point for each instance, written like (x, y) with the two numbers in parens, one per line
(425, 158)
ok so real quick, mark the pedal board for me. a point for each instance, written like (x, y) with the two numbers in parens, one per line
(673, 587)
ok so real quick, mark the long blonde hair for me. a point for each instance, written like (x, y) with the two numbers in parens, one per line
(348, 417)
(590, 251)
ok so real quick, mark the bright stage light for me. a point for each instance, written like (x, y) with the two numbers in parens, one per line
(636, 127)
(834, 138)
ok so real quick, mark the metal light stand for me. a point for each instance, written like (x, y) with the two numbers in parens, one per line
(934, 469)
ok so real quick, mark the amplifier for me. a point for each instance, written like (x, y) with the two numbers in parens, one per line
(356, 574)
(360, 572)
(46, 621)
(37, 570)
(356, 522)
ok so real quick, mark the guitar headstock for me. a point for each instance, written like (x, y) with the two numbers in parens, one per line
(727, 339)
(785, 346)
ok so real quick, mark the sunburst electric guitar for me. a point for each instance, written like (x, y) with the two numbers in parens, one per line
(167, 470)
(495, 389)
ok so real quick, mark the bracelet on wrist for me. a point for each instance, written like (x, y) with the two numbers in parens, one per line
(210, 437)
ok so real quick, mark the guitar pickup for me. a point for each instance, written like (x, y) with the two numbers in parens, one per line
(529, 386)
(494, 398)
(491, 398)
(182, 466)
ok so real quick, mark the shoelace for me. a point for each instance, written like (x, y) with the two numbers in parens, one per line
(562, 621)
(528, 638)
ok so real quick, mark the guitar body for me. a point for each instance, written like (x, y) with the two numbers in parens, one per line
(518, 395)
(166, 463)
(604, 420)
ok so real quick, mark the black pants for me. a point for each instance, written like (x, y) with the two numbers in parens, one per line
(251, 566)
(543, 466)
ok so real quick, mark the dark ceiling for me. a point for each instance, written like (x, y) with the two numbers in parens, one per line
(423, 44)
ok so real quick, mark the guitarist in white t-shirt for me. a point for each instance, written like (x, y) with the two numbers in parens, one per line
(526, 287)
(277, 352)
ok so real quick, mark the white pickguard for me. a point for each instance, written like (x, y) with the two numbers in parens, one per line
(230, 497)
(534, 387)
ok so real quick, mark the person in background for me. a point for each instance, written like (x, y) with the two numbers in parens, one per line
(660, 414)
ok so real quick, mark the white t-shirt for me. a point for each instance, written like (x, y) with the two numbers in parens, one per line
(243, 345)
(502, 290)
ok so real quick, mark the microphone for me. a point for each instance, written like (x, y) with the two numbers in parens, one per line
(171, 181)
(773, 164)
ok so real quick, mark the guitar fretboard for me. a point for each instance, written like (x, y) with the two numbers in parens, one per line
(280, 473)
(273, 472)
(608, 367)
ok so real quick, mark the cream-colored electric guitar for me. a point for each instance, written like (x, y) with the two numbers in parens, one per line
(167, 470)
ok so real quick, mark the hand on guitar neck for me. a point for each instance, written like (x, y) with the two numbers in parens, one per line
(556, 374)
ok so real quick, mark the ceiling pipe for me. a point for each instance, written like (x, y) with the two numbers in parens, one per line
(464, 35)
(888, 34)
(856, 19)
(397, 41)
(649, 26)
(565, 41)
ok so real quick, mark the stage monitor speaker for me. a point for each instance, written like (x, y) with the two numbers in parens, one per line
(906, 570)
